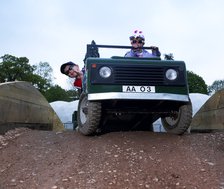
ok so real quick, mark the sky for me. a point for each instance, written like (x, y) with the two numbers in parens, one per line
(57, 31)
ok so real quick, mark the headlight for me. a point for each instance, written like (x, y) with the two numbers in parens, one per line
(171, 74)
(105, 72)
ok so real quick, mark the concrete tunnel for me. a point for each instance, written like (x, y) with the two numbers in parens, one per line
(22, 105)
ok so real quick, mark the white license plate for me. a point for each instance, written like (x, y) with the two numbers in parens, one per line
(138, 89)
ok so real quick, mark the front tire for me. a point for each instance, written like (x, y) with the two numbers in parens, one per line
(88, 116)
(180, 121)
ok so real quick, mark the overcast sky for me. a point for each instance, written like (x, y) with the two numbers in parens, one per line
(57, 31)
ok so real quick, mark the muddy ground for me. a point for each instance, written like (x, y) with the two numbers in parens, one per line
(60, 160)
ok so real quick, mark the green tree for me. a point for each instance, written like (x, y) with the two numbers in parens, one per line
(39, 83)
(56, 93)
(44, 70)
(216, 85)
(13, 68)
(196, 83)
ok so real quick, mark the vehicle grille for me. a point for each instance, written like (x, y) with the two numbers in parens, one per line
(138, 75)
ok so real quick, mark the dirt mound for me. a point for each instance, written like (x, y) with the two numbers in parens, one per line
(47, 159)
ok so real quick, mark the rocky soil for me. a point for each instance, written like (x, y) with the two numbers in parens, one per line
(130, 160)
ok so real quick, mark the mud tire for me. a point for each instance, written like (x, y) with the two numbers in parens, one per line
(88, 115)
(180, 122)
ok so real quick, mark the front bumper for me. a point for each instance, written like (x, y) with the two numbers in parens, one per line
(137, 96)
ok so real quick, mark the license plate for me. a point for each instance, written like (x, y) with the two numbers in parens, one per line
(138, 89)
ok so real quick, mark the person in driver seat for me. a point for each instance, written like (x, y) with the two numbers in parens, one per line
(137, 40)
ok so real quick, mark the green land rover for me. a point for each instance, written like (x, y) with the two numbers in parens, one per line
(133, 92)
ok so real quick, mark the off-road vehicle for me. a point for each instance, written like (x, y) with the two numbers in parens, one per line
(133, 92)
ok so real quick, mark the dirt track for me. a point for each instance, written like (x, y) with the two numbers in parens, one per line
(43, 159)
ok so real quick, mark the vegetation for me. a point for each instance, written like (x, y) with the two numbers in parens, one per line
(196, 83)
(19, 69)
(216, 85)
(56, 93)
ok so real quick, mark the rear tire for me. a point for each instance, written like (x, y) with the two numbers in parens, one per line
(180, 121)
(88, 116)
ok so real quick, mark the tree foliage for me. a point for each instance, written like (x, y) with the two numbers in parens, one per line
(13, 68)
(216, 85)
(56, 93)
(44, 70)
(18, 69)
(196, 83)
